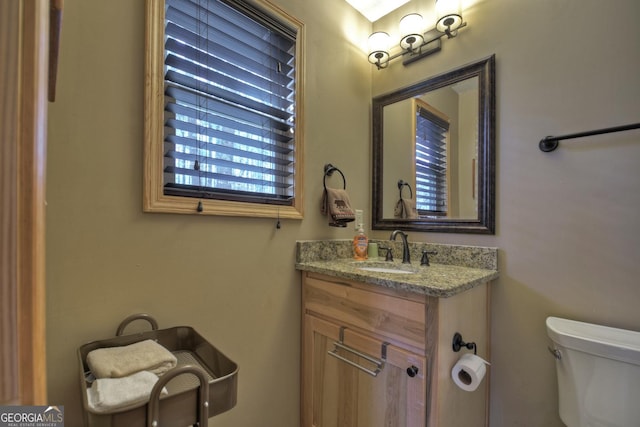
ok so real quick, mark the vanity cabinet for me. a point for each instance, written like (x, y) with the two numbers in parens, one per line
(377, 356)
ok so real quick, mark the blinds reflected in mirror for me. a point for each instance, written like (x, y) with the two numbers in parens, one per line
(432, 131)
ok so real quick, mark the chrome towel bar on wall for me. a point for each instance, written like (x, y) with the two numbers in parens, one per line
(550, 143)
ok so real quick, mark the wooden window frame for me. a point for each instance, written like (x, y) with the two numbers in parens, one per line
(154, 199)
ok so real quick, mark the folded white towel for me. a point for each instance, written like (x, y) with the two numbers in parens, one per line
(116, 362)
(110, 394)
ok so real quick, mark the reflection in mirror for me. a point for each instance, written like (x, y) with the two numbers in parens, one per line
(434, 153)
(434, 150)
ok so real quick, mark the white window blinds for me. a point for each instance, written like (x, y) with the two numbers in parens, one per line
(229, 102)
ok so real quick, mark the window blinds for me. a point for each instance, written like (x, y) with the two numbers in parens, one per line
(229, 102)
(431, 162)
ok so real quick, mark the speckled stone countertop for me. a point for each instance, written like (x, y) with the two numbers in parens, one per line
(453, 269)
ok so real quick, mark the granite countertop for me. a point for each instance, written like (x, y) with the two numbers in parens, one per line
(453, 269)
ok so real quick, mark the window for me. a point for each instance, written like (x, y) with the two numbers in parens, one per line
(223, 109)
(432, 133)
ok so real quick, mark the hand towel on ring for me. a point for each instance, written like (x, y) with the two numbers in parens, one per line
(336, 203)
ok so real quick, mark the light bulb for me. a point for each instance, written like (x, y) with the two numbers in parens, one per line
(411, 29)
(379, 48)
(449, 16)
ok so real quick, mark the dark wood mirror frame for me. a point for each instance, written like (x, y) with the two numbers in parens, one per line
(485, 222)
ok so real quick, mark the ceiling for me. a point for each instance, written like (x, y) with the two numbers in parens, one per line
(376, 9)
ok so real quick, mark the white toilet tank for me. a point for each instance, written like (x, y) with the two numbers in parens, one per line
(598, 371)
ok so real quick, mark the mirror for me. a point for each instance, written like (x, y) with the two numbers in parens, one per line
(434, 153)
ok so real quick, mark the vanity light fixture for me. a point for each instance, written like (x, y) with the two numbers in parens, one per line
(414, 41)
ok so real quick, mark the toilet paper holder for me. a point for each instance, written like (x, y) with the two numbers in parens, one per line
(458, 343)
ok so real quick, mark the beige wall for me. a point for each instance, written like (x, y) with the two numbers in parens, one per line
(566, 221)
(233, 279)
(399, 127)
(468, 154)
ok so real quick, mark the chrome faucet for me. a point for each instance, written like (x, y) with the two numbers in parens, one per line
(406, 256)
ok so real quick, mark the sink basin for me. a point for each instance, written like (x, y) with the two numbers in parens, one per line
(386, 267)
(386, 270)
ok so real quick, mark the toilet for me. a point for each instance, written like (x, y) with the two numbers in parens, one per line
(598, 369)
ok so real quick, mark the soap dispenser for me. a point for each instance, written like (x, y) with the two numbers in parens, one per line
(360, 245)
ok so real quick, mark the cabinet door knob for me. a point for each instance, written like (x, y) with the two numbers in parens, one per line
(412, 371)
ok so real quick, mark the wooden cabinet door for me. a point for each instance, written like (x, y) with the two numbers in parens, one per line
(336, 393)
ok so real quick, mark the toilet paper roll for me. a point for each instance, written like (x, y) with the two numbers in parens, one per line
(469, 371)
